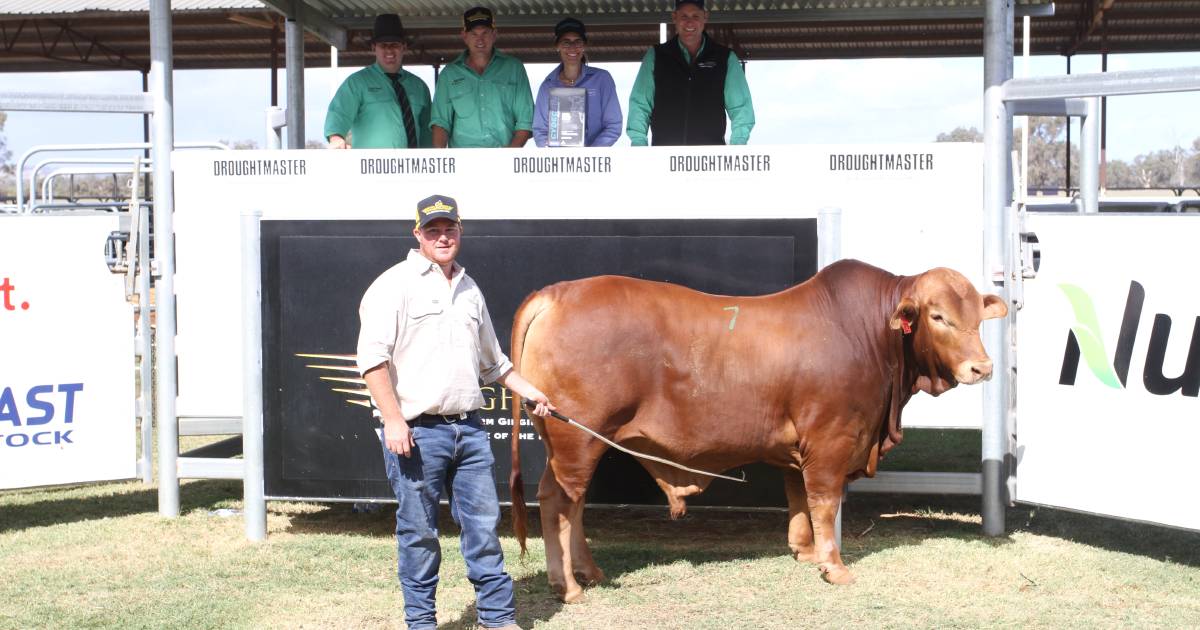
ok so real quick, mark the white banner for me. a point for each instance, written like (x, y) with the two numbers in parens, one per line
(1109, 362)
(906, 208)
(66, 338)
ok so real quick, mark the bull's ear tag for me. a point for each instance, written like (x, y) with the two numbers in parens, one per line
(906, 326)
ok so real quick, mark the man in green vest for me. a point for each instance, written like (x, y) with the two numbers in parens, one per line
(382, 106)
(686, 86)
(483, 97)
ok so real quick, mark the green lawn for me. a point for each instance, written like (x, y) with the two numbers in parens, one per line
(100, 556)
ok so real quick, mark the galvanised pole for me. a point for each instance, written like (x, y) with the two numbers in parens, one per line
(254, 505)
(163, 141)
(294, 54)
(997, 136)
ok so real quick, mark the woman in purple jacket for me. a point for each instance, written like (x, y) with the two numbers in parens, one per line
(603, 115)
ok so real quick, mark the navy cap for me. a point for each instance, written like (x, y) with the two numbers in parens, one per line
(478, 16)
(570, 25)
(679, 3)
(387, 29)
(437, 207)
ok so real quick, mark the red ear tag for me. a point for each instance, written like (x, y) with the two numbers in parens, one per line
(906, 326)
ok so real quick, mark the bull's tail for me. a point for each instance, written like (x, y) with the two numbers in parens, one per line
(529, 310)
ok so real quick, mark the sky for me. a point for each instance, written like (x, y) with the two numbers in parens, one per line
(796, 102)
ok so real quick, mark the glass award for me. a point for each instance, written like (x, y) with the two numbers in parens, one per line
(567, 117)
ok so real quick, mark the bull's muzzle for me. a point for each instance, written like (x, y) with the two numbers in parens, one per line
(972, 372)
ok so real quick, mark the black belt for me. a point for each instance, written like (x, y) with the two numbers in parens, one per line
(437, 418)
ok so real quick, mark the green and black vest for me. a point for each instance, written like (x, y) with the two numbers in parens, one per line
(689, 99)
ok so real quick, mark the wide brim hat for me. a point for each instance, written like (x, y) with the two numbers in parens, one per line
(388, 28)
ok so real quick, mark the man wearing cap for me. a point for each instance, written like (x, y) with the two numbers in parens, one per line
(425, 344)
(382, 106)
(483, 97)
(686, 86)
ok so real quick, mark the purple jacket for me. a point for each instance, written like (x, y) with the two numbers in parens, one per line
(603, 108)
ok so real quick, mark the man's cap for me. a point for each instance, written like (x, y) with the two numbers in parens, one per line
(387, 29)
(679, 3)
(478, 16)
(437, 207)
(570, 25)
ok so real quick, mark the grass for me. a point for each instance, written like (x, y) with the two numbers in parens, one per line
(100, 556)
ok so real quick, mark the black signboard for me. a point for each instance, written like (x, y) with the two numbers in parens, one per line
(319, 445)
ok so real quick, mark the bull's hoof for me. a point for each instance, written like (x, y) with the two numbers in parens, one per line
(839, 575)
(591, 577)
(575, 596)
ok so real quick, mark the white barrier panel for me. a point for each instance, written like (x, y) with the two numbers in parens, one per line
(1109, 362)
(66, 339)
(906, 208)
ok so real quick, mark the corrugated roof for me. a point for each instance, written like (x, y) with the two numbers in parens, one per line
(60, 7)
(39, 35)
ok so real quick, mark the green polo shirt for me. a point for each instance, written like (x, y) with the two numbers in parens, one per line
(483, 110)
(738, 105)
(365, 107)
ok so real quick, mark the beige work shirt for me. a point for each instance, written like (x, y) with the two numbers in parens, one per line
(436, 337)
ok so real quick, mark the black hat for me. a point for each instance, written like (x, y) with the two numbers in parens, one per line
(570, 25)
(679, 3)
(478, 16)
(437, 207)
(387, 29)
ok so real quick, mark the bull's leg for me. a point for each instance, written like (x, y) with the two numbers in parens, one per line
(556, 511)
(800, 531)
(583, 567)
(825, 489)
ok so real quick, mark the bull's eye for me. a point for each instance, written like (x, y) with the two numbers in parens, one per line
(938, 318)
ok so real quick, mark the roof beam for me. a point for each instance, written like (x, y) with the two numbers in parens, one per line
(1087, 25)
(314, 22)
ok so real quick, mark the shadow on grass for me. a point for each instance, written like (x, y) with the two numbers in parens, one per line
(535, 604)
(70, 504)
(893, 521)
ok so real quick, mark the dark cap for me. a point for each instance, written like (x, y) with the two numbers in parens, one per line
(478, 16)
(679, 3)
(387, 29)
(437, 207)
(570, 25)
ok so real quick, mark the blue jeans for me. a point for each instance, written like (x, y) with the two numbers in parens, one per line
(455, 457)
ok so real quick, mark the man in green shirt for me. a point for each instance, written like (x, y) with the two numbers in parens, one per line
(686, 86)
(483, 97)
(382, 106)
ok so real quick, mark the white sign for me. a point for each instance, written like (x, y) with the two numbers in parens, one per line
(66, 341)
(1109, 361)
(906, 208)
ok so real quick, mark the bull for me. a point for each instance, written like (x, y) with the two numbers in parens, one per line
(811, 380)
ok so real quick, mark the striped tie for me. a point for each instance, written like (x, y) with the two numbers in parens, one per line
(410, 126)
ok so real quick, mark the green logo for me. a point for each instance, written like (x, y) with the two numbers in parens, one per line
(1089, 336)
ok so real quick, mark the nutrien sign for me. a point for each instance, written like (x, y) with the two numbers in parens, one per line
(1108, 365)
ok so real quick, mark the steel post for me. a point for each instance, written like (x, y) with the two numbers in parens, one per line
(163, 141)
(997, 136)
(254, 505)
(294, 56)
(1089, 157)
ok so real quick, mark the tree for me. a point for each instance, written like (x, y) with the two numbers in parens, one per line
(1048, 153)
(961, 134)
(7, 184)
(240, 145)
(1193, 165)
(1121, 174)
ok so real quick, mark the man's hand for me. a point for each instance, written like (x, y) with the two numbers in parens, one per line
(544, 406)
(397, 436)
(338, 142)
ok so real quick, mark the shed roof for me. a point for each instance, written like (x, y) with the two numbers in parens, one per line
(43, 35)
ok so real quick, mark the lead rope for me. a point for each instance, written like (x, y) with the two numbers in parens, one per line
(558, 416)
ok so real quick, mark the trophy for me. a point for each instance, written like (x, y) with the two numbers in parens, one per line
(567, 117)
